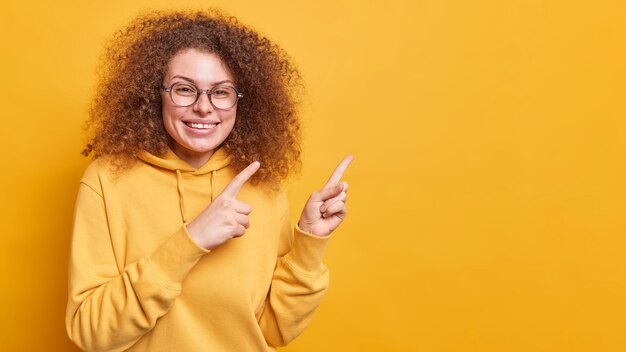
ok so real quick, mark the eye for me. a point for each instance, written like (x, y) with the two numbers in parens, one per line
(184, 89)
(222, 92)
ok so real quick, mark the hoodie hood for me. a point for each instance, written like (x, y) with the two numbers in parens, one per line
(171, 161)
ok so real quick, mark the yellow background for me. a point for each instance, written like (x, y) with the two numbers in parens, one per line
(487, 195)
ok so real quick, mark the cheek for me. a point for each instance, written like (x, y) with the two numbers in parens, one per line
(230, 120)
(170, 114)
(167, 109)
(167, 121)
(170, 122)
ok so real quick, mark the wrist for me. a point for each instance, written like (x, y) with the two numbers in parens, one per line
(308, 229)
(303, 227)
(197, 236)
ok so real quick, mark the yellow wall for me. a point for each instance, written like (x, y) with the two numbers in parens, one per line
(487, 193)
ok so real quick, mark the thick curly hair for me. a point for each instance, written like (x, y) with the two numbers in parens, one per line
(125, 117)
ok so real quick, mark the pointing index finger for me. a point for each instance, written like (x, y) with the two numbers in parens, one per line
(339, 171)
(238, 181)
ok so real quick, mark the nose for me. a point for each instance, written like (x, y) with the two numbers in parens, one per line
(203, 105)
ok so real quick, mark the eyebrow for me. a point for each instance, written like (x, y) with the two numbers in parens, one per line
(194, 82)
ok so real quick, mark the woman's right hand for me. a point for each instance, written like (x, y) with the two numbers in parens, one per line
(225, 217)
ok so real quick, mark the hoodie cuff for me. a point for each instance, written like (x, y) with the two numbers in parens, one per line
(175, 258)
(307, 251)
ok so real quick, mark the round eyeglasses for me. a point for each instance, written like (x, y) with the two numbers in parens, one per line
(187, 94)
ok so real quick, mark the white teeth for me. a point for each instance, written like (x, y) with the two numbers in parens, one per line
(201, 125)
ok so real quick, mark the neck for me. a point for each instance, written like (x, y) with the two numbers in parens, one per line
(192, 158)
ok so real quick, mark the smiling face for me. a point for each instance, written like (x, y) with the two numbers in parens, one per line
(197, 130)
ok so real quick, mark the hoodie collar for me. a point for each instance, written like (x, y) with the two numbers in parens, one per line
(171, 161)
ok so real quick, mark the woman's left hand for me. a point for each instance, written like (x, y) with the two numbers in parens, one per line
(326, 208)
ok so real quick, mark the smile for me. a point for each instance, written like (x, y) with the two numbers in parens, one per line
(201, 126)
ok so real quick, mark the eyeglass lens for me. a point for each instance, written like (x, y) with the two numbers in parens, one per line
(185, 94)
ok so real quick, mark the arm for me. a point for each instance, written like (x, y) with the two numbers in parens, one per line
(110, 308)
(300, 280)
(299, 284)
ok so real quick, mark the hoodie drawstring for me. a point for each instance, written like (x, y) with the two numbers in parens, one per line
(181, 195)
(181, 192)
(172, 163)
(213, 174)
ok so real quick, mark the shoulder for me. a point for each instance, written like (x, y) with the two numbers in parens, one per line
(102, 171)
(95, 169)
(93, 174)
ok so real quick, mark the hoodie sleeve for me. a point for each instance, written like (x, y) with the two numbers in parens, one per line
(109, 308)
(299, 284)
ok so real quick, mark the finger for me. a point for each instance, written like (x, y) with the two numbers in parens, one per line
(242, 208)
(327, 193)
(335, 208)
(339, 171)
(239, 231)
(242, 220)
(340, 197)
(235, 185)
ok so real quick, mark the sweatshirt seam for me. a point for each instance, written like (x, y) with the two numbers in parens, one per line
(158, 278)
(308, 274)
(92, 188)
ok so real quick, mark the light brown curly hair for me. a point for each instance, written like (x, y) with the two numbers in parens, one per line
(126, 118)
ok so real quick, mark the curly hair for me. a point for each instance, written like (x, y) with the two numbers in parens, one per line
(125, 117)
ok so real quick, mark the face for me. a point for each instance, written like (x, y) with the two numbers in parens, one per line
(197, 130)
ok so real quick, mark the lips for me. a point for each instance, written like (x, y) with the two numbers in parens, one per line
(201, 125)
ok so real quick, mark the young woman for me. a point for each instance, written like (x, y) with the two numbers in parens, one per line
(182, 239)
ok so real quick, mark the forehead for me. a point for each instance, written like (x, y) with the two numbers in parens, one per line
(200, 66)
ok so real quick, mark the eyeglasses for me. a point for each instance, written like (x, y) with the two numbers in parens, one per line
(187, 94)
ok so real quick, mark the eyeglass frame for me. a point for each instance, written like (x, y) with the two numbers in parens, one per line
(199, 92)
